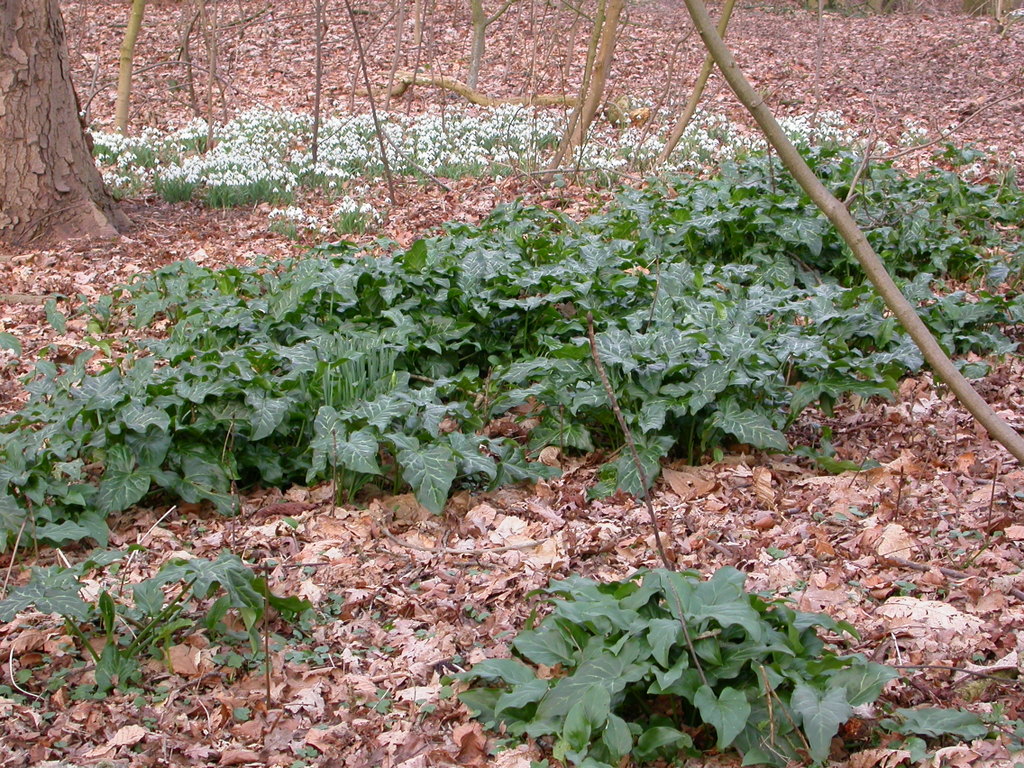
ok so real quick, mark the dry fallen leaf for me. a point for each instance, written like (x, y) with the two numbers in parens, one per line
(309, 700)
(550, 456)
(957, 756)
(1014, 532)
(687, 485)
(128, 736)
(931, 626)
(895, 541)
(879, 758)
(472, 744)
(239, 757)
(763, 486)
(184, 660)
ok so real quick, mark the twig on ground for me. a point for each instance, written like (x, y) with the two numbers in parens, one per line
(28, 298)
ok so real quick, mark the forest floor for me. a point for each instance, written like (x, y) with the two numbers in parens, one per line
(923, 554)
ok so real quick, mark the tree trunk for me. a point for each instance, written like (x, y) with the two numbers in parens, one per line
(602, 67)
(481, 21)
(595, 77)
(49, 184)
(698, 90)
(476, 54)
(978, 7)
(124, 75)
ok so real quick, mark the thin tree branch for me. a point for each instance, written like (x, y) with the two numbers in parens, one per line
(377, 127)
(837, 213)
(638, 465)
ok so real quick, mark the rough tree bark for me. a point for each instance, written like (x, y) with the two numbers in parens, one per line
(847, 228)
(49, 184)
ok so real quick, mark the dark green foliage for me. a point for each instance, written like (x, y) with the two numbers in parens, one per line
(664, 663)
(147, 623)
(384, 366)
(754, 212)
(926, 729)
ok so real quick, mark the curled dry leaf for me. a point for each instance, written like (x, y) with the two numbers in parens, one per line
(879, 758)
(472, 744)
(957, 756)
(128, 736)
(1014, 532)
(763, 486)
(687, 485)
(550, 456)
(185, 660)
(239, 757)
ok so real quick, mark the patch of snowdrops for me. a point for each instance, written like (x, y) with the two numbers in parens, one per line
(266, 155)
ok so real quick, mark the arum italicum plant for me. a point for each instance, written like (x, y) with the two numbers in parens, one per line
(664, 664)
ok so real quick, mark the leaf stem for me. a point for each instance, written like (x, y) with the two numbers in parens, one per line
(629, 441)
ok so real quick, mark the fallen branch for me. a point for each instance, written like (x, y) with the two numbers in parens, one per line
(455, 550)
(630, 443)
(27, 298)
(405, 80)
(949, 573)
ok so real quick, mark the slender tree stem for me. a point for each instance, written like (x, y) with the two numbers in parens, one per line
(377, 127)
(847, 228)
(630, 443)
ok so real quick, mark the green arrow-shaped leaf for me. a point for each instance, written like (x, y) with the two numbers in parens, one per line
(430, 473)
(822, 714)
(585, 716)
(51, 590)
(123, 484)
(267, 414)
(728, 712)
(359, 453)
(141, 417)
(863, 681)
(750, 427)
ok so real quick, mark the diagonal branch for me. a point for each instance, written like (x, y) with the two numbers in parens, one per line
(847, 228)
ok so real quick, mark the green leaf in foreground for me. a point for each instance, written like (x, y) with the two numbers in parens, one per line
(430, 473)
(934, 723)
(11, 342)
(51, 590)
(727, 712)
(123, 484)
(749, 426)
(626, 638)
(55, 317)
(352, 364)
(822, 712)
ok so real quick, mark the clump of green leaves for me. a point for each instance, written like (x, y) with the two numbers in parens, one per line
(147, 623)
(664, 663)
(752, 211)
(382, 368)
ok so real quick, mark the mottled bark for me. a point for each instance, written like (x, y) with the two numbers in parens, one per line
(49, 184)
